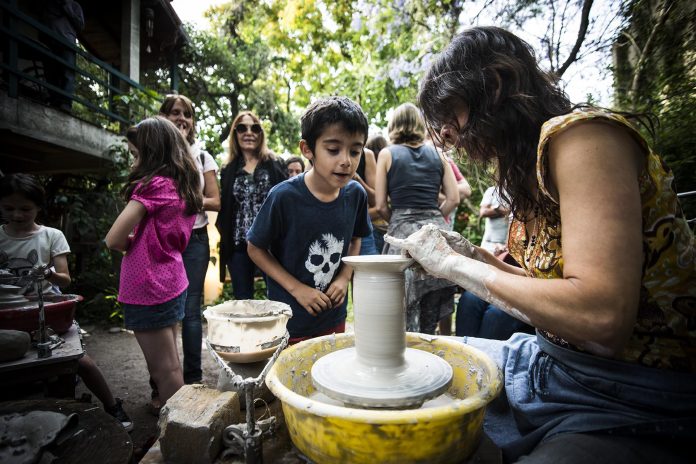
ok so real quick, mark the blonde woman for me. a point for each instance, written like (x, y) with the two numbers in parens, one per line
(411, 174)
(251, 170)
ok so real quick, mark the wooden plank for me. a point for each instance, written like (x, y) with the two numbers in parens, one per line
(71, 350)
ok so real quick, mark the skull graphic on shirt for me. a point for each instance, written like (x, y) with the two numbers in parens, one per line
(323, 259)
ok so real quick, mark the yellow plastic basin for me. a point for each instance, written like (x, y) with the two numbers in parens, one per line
(328, 433)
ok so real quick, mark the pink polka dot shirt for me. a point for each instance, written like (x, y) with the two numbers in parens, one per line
(152, 271)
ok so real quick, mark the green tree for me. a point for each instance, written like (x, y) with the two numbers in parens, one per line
(654, 73)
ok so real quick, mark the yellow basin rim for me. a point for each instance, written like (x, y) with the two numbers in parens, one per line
(459, 407)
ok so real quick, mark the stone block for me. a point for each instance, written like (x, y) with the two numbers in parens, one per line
(192, 424)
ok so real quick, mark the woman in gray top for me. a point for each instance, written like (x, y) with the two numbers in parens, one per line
(411, 174)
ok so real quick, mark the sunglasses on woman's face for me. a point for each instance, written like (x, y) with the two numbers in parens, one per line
(242, 128)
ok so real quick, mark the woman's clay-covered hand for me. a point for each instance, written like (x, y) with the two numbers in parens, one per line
(448, 255)
(461, 245)
(431, 247)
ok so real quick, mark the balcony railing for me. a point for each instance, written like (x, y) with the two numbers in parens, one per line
(102, 95)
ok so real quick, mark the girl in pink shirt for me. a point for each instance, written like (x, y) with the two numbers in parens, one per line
(163, 195)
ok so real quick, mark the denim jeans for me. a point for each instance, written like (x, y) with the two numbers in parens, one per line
(550, 391)
(367, 246)
(196, 257)
(378, 235)
(154, 317)
(242, 270)
(478, 318)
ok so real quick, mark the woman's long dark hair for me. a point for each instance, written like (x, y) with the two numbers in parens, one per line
(163, 151)
(494, 74)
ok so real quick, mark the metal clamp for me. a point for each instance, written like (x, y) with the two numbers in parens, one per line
(247, 438)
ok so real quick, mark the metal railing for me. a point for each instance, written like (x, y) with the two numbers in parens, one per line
(104, 96)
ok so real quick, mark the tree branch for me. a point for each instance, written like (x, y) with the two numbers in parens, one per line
(584, 23)
(663, 13)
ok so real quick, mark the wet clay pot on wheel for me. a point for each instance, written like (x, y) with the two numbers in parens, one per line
(328, 433)
(380, 372)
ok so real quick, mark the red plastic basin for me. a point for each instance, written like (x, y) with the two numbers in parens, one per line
(59, 309)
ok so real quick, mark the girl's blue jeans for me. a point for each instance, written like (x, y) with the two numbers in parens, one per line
(196, 257)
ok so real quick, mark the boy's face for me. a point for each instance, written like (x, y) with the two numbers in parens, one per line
(336, 156)
(19, 211)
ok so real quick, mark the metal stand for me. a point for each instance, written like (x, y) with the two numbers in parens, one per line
(45, 344)
(247, 438)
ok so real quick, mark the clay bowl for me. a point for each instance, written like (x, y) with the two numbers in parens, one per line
(59, 310)
(327, 433)
(246, 331)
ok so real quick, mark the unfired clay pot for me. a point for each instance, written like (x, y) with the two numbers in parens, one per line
(247, 330)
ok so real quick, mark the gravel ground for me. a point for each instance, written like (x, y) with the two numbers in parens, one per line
(123, 365)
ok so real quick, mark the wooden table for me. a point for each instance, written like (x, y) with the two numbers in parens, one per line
(98, 437)
(61, 364)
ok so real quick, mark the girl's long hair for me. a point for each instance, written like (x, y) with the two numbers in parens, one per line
(493, 73)
(262, 151)
(163, 151)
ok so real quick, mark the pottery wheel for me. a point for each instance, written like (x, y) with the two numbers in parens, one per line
(341, 376)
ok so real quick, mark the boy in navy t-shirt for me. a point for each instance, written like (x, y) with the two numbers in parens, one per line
(308, 223)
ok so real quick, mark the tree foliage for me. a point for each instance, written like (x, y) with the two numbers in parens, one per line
(275, 56)
(654, 73)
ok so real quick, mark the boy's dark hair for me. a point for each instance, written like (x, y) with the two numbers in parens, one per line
(295, 159)
(332, 110)
(23, 184)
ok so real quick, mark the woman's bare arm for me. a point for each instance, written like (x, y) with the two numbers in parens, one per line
(449, 188)
(211, 192)
(381, 198)
(594, 168)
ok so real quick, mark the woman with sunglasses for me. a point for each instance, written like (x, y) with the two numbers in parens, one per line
(251, 170)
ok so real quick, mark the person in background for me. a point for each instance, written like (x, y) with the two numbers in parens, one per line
(464, 189)
(250, 173)
(180, 111)
(163, 192)
(295, 166)
(608, 275)
(496, 213)
(475, 316)
(411, 174)
(27, 248)
(375, 144)
(64, 18)
(462, 184)
(365, 176)
(309, 222)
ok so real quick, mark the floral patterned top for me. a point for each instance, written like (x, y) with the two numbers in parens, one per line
(664, 335)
